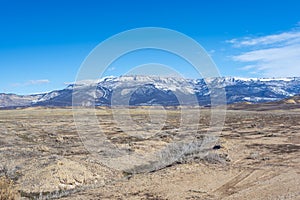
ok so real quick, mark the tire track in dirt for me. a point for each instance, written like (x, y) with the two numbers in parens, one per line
(254, 177)
(229, 187)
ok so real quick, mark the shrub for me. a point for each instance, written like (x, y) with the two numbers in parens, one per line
(7, 190)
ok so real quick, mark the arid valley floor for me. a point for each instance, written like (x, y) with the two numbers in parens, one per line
(257, 156)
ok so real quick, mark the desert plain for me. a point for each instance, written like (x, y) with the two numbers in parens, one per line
(256, 155)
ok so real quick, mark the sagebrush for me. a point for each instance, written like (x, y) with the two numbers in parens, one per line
(8, 190)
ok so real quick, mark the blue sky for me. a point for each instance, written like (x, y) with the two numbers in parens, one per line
(43, 43)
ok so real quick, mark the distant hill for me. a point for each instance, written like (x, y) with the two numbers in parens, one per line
(295, 100)
(284, 104)
(13, 100)
(154, 90)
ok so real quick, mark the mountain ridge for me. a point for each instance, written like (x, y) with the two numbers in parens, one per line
(155, 90)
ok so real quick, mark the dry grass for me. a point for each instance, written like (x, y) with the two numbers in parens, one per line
(262, 147)
(7, 190)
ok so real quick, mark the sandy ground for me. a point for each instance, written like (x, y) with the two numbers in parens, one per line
(258, 158)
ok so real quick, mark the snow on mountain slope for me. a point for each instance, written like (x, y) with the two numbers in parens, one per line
(153, 90)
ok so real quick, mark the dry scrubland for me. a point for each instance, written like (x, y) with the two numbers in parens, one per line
(42, 157)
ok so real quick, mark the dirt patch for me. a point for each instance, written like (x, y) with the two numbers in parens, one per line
(256, 157)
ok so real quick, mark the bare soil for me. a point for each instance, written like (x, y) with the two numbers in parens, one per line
(257, 156)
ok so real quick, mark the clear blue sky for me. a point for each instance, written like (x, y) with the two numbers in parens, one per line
(43, 43)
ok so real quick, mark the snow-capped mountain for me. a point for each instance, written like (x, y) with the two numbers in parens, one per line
(154, 90)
